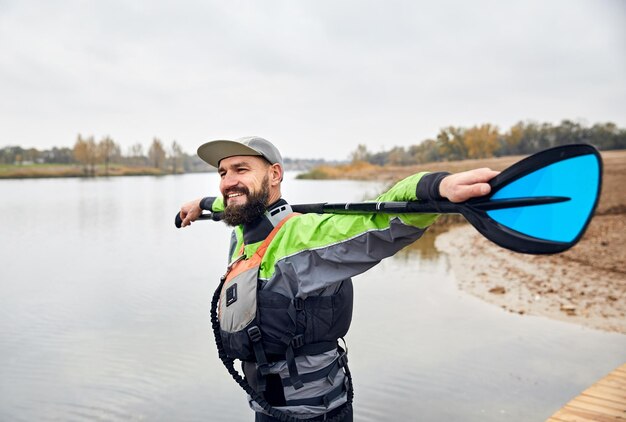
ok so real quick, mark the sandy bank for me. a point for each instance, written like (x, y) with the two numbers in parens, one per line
(585, 285)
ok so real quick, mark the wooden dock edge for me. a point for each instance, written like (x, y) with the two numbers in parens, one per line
(604, 401)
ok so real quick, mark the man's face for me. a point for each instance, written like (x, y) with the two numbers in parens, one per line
(241, 176)
(244, 185)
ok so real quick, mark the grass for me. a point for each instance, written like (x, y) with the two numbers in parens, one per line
(359, 169)
(12, 171)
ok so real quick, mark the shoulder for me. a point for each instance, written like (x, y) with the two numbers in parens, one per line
(311, 231)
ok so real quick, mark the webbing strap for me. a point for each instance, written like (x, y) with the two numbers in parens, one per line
(329, 372)
(263, 368)
(325, 400)
(316, 348)
(296, 382)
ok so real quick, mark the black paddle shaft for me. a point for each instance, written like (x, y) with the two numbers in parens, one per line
(410, 207)
(435, 207)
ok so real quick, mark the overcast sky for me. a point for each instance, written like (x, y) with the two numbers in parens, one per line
(315, 77)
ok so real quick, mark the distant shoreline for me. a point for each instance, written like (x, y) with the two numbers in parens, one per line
(47, 171)
(366, 171)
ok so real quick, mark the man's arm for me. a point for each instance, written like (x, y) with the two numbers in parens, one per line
(190, 211)
(321, 250)
(456, 187)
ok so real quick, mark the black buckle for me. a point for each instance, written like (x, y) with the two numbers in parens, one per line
(264, 369)
(254, 333)
(326, 399)
(297, 341)
(298, 303)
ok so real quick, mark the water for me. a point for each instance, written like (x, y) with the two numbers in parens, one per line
(104, 316)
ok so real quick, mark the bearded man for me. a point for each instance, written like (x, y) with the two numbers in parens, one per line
(286, 298)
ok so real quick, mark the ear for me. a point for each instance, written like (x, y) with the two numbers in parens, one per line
(276, 174)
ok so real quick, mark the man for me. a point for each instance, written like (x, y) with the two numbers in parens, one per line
(287, 295)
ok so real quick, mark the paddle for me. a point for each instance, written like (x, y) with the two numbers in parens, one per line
(540, 205)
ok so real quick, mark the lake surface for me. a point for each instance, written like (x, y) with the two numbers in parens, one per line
(104, 317)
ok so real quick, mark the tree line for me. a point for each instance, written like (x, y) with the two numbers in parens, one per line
(483, 141)
(90, 153)
(451, 143)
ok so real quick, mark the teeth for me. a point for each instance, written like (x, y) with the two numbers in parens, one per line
(232, 195)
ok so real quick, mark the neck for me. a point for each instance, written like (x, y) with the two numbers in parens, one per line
(258, 230)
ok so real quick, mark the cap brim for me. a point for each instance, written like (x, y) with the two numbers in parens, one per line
(214, 151)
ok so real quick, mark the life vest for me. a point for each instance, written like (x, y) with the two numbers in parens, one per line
(261, 326)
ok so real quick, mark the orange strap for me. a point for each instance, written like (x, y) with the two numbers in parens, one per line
(261, 251)
(255, 260)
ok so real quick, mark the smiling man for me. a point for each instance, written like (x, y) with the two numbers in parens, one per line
(286, 297)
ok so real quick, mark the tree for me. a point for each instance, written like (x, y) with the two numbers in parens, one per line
(156, 153)
(31, 155)
(398, 157)
(85, 152)
(425, 152)
(451, 144)
(481, 141)
(510, 141)
(107, 151)
(80, 153)
(137, 157)
(607, 136)
(360, 154)
(11, 155)
(62, 155)
(176, 157)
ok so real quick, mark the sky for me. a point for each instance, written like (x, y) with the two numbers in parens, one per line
(316, 77)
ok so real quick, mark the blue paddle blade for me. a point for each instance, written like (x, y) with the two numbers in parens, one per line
(575, 178)
(543, 203)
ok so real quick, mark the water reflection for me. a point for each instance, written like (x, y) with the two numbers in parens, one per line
(423, 249)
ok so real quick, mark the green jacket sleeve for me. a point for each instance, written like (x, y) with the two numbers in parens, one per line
(319, 250)
(212, 203)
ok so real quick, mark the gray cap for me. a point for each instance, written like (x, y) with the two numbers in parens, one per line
(213, 152)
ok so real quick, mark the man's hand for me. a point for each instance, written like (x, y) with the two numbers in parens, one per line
(460, 187)
(190, 211)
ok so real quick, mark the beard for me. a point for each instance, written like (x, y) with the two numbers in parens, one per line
(254, 207)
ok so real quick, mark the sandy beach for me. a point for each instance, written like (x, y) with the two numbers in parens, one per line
(585, 285)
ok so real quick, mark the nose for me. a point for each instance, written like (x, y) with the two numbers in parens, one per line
(229, 180)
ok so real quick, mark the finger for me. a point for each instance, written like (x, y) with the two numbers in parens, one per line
(183, 216)
(464, 192)
(190, 217)
(480, 189)
(477, 176)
